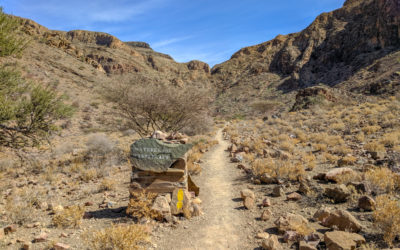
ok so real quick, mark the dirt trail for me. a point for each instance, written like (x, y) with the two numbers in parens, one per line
(223, 224)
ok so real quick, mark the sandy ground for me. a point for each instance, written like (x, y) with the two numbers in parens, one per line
(223, 225)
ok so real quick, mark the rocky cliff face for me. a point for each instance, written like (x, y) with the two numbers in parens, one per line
(337, 46)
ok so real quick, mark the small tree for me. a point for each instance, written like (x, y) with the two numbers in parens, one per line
(150, 107)
(27, 110)
(10, 42)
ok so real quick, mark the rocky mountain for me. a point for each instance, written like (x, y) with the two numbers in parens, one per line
(353, 48)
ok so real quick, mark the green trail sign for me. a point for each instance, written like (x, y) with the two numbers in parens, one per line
(155, 155)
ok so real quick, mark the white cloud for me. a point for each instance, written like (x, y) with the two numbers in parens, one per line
(164, 43)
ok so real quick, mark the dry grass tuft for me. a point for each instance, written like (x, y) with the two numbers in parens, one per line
(381, 180)
(140, 204)
(387, 218)
(70, 217)
(120, 237)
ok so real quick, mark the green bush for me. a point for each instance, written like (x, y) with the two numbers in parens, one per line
(11, 42)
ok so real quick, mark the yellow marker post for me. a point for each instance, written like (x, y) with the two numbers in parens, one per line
(179, 204)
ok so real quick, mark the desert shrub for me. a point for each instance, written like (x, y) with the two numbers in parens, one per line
(374, 147)
(140, 204)
(348, 177)
(339, 126)
(118, 237)
(20, 206)
(148, 107)
(27, 111)
(69, 217)
(99, 144)
(387, 217)
(11, 42)
(330, 158)
(371, 129)
(63, 148)
(88, 174)
(309, 161)
(391, 139)
(107, 184)
(264, 107)
(320, 147)
(278, 168)
(381, 180)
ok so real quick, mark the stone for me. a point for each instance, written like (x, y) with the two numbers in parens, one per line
(181, 200)
(334, 174)
(291, 236)
(267, 179)
(247, 193)
(304, 188)
(366, 203)
(278, 192)
(159, 135)
(305, 246)
(266, 202)
(237, 158)
(339, 219)
(338, 193)
(340, 240)
(41, 238)
(360, 187)
(272, 243)
(377, 155)
(10, 229)
(61, 246)
(2, 234)
(161, 206)
(26, 246)
(294, 196)
(196, 210)
(262, 235)
(57, 209)
(249, 202)
(88, 204)
(196, 201)
(320, 176)
(291, 222)
(232, 148)
(266, 215)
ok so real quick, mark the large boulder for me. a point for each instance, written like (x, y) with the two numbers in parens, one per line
(291, 222)
(339, 219)
(272, 243)
(336, 173)
(340, 240)
(338, 193)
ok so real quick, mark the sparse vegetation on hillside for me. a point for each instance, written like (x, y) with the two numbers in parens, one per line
(10, 42)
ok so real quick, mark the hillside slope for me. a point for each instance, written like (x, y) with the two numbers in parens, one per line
(354, 48)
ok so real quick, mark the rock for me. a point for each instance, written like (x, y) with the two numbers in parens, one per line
(320, 176)
(377, 155)
(196, 201)
(272, 243)
(237, 158)
(338, 193)
(2, 234)
(57, 209)
(249, 203)
(291, 222)
(267, 179)
(88, 204)
(181, 200)
(304, 188)
(266, 215)
(10, 229)
(196, 210)
(232, 148)
(294, 196)
(278, 192)
(41, 238)
(360, 187)
(159, 135)
(305, 246)
(61, 246)
(339, 219)
(262, 235)
(161, 206)
(343, 240)
(334, 174)
(26, 246)
(291, 236)
(266, 202)
(366, 203)
(247, 193)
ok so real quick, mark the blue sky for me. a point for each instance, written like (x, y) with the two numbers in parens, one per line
(205, 30)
